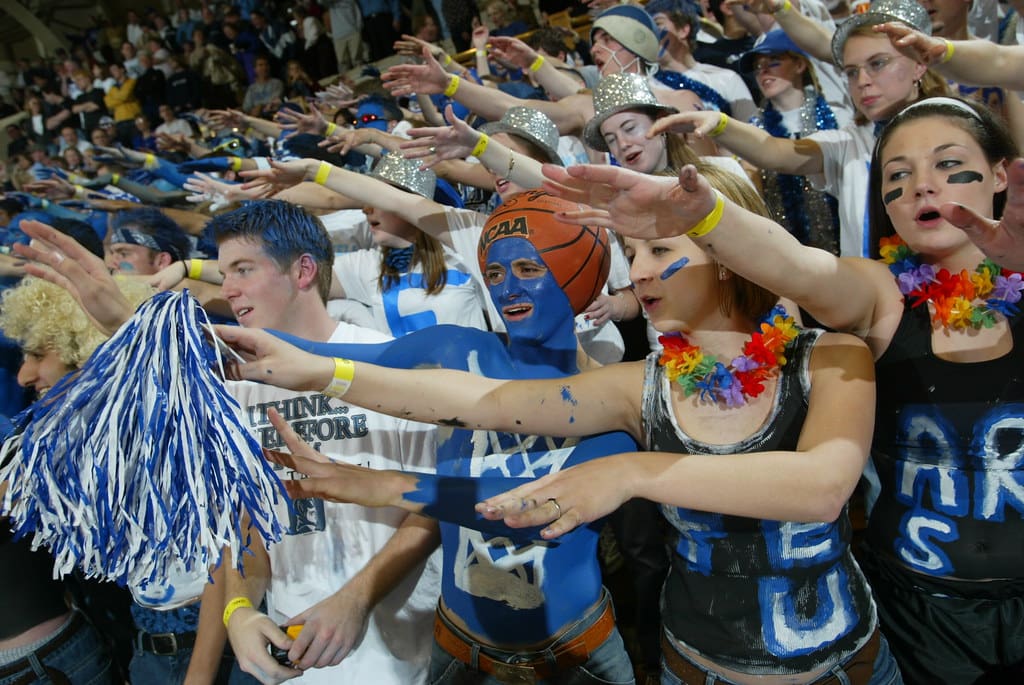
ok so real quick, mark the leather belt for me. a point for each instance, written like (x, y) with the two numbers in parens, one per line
(165, 644)
(858, 667)
(61, 639)
(572, 653)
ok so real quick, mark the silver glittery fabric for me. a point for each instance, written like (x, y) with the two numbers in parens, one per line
(617, 93)
(405, 173)
(529, 124)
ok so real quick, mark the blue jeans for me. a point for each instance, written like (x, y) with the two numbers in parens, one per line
(885, 671)
(608, 664)
(147, 667)
(82, 660)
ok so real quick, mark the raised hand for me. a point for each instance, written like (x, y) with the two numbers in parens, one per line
(512, 51)
(698, 124)
(435, 144)
(61, 260)
(919, 46)
(1002, 241)
(428, 78)
(314, 122)
(273, 361)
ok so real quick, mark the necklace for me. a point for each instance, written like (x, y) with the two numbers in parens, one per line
(952, 296)
(698, 372)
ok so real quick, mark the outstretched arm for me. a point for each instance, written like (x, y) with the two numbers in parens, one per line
(593, 402)
(975, 62)
(809, 36)
(490, 103)
(811, 483)
(785, 155)
(750, 244)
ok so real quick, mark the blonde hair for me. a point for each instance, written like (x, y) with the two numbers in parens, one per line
(41, 316)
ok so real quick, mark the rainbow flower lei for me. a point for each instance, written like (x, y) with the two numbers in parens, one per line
(698, 372)
(952, 295)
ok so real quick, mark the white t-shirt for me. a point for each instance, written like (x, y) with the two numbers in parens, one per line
(729, 85)
(406, 306)
(846, 156)
(327, 543)
(348, 229)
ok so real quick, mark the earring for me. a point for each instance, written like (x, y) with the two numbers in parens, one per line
(723, 273)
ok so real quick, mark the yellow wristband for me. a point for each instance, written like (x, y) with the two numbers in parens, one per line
(481, 145)
(233, 606)
(948, 55)
(344, 371)
(708, 223)
(150, 161)
(785, 7)
(322, 173)
(723, 121)
(331, 128)
(480, 52)
(195, 269)
(447, 60)
(537, 63)
(79, 191)
(115, 178)
(235, 163)
(453, 85)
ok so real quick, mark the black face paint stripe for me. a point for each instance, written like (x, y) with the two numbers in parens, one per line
(892, 195)
(966, 177)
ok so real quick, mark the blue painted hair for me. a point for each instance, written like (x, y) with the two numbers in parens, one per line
(167, 235)
(284, 231)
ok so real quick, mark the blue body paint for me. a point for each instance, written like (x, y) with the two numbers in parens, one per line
(673, 268)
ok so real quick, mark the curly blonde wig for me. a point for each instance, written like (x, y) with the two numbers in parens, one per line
(40, 316)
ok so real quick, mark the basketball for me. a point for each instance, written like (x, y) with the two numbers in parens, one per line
(577, 256)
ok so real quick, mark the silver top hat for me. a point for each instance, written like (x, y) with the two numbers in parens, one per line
(529, 124)
(617, 93)
(405, 173)
(907, 12)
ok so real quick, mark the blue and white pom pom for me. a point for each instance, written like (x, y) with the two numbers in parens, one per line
(138, 467)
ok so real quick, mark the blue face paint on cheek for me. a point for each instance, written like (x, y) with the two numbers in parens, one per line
(673, 268)
(125, 267)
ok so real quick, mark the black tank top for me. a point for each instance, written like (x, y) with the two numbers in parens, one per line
(949, 454)
(755, 595)
(30, 594)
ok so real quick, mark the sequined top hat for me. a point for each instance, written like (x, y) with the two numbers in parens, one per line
(632, 28)
(907, 12)
(531, 125)
(617, 93)
(405, 173)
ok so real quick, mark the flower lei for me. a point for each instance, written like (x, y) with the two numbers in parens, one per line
(952, 295)
(698, 372)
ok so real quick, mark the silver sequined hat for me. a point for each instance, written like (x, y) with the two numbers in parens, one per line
(405, 173)
(529, 124)
(907, 12)
(617, 93)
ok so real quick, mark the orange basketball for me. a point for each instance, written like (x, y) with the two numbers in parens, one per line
(577, 256)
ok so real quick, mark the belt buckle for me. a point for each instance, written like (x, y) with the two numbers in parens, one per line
(513, 674)
(164, 644)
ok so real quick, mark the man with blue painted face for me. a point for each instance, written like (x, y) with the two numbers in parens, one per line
(513, 607)
(381, 113)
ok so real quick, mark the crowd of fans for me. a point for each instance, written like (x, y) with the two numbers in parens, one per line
(378, 181)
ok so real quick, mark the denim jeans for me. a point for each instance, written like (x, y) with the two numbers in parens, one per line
(885, 671)
(147, 667)
(82, 659)
(608, 664)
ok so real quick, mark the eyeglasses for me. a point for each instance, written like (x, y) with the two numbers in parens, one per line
(366, 119)
(873, 67)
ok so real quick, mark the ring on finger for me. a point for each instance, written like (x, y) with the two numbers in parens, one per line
(558, 508)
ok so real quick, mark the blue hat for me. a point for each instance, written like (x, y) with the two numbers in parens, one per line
(632, 27)
(773, 42)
